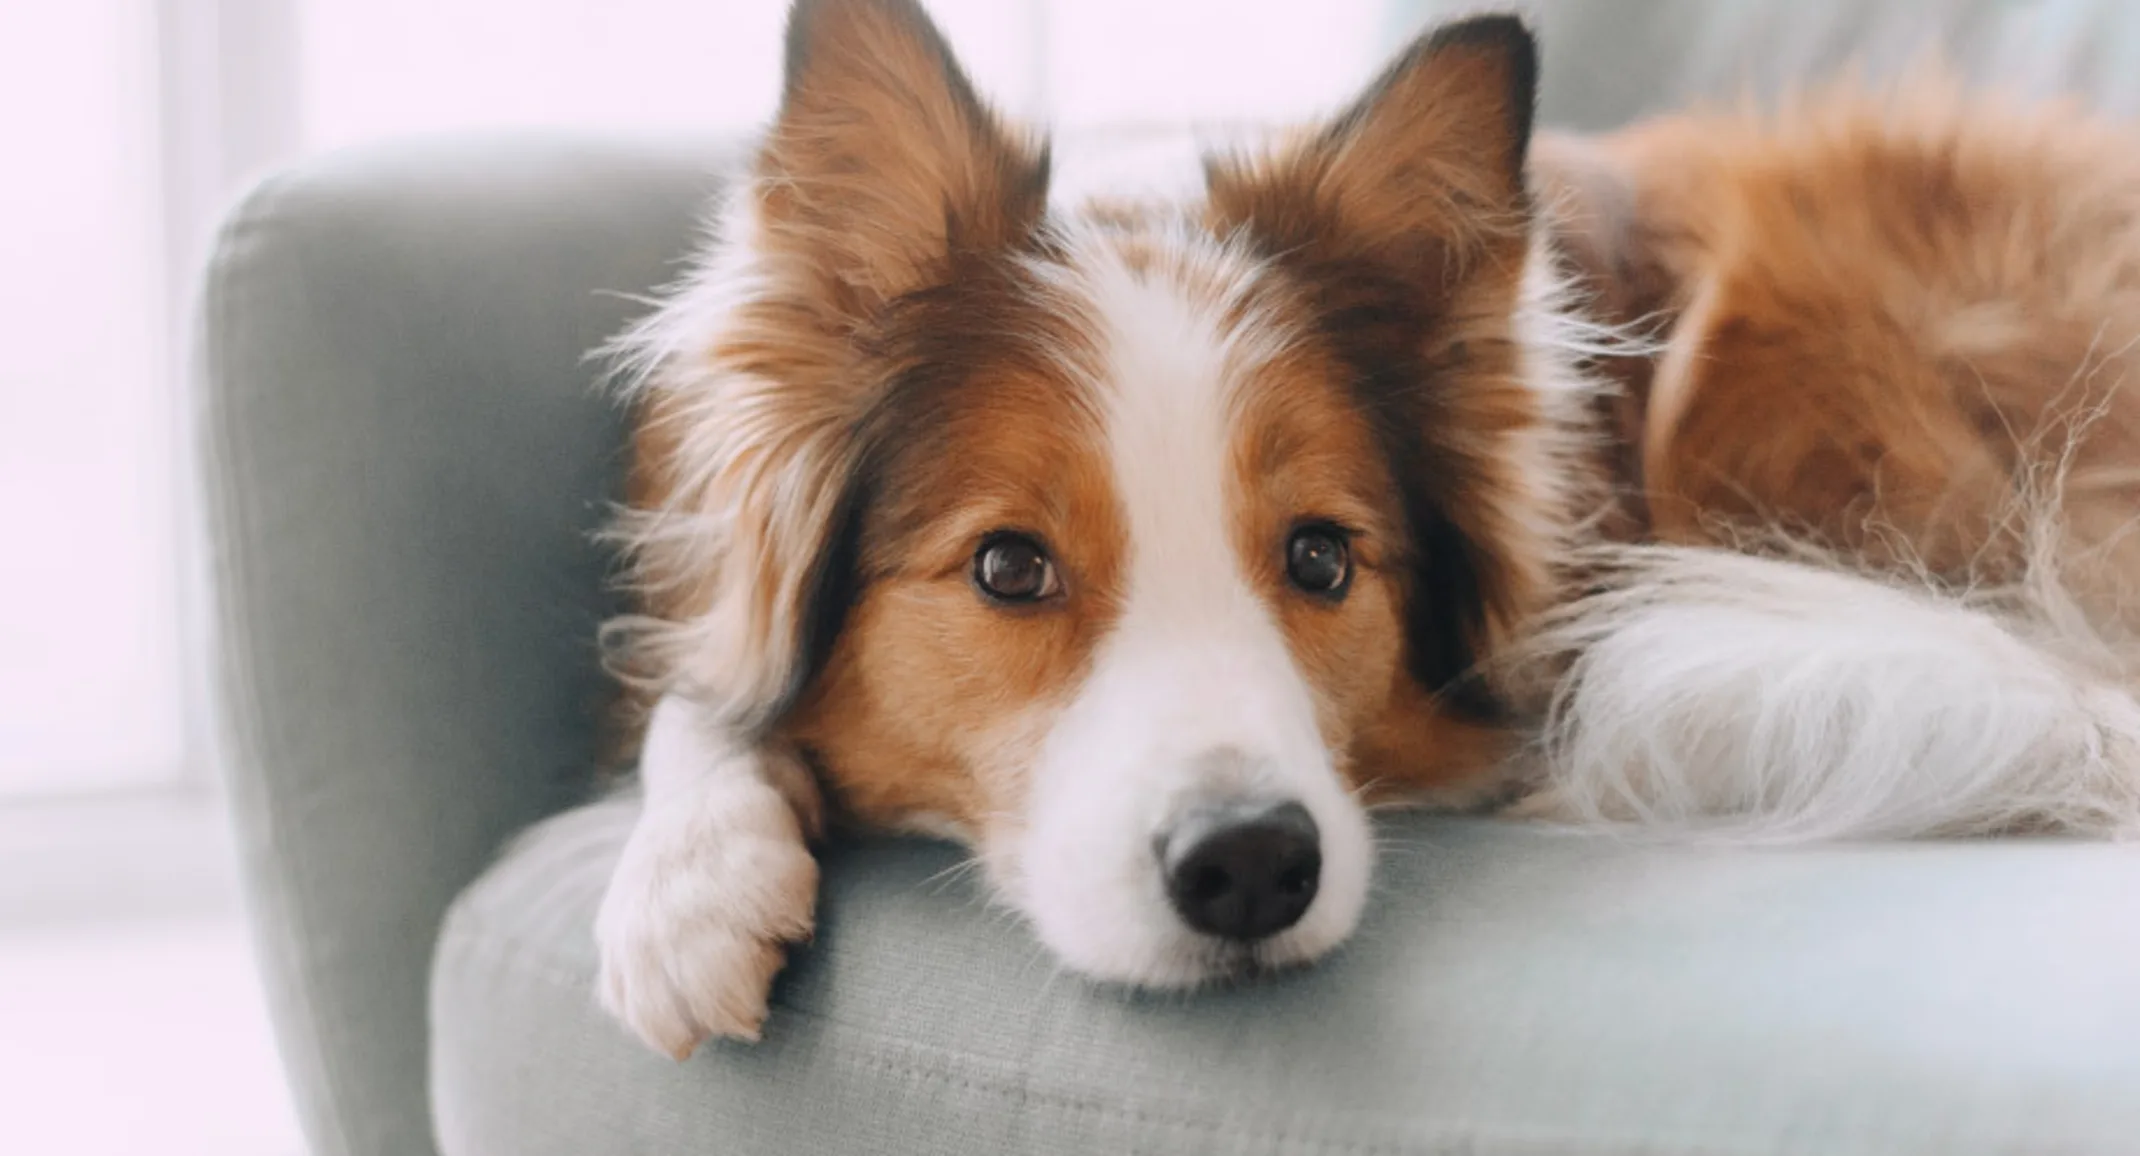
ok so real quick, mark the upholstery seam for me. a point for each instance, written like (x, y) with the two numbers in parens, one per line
(883, 1058)
(979, 1073)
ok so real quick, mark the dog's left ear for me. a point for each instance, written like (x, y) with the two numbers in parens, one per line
(1424, 169)
(1407, 220)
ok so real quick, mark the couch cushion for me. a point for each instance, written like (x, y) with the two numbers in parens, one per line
(1514, 991)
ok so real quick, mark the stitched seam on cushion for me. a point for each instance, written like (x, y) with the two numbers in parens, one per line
(243, 723)
(881, 1053)
(874, 1048)
(1024, 1095)
(944, 1062)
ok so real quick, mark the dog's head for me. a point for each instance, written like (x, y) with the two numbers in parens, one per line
(1138, 547)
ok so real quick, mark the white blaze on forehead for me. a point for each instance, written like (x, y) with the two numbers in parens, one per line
(1171, 394)
(1194, 695)
(1175, 362)
(1174, 343)
(1196, 661)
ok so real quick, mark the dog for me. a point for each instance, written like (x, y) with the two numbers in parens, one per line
(1894, 327)
(1143, 546)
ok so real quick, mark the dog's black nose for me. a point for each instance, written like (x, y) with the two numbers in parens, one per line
(1242, 871)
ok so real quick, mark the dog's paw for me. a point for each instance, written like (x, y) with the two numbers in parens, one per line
(711, 889)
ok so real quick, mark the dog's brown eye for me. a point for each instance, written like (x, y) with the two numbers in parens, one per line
(1014, 568)
(1318, 561)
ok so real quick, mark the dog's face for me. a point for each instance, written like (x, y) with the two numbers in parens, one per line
(1139, 548)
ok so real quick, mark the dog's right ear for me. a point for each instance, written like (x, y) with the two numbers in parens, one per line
(881, 175)
(883, 163)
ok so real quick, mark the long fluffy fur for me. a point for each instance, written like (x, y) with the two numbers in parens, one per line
(1967, 664)
(1780, 694)
(1708, 693)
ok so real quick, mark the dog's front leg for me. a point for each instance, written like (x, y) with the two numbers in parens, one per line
(716, 880)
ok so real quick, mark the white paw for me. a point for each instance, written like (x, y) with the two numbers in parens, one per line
(713, 885)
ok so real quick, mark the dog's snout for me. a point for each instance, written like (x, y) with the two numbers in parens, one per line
(1242, 871)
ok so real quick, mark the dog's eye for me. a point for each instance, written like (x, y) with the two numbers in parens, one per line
(1318, 560)
(1014, 568)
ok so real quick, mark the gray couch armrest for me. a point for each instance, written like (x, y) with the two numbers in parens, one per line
(402, 457)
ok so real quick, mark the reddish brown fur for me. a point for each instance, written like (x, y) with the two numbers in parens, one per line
(919, 391)
(1315, 454)
(1882, 315)
(1870, 312)
(925, 677)
(928, 684)
(1407, 224)
(850, 215)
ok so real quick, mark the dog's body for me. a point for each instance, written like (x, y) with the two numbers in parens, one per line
(1142, 546)
(1893, 335)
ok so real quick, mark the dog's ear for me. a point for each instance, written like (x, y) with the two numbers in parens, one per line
(1419, 178)
(883, 163)
(1610, 242)
(1408, 221)
(881, 174)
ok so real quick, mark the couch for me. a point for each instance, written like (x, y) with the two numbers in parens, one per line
(402, 458)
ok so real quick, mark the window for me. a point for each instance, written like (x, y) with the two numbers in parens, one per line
(666, 66)
(89, 624)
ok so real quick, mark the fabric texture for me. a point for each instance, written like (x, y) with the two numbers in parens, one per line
(1514, 992)
(402, 458)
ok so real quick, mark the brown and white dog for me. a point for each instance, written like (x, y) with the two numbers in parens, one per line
(1144, 547)
(1896, 329)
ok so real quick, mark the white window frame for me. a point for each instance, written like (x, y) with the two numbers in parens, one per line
(228, 109)
(223, 91)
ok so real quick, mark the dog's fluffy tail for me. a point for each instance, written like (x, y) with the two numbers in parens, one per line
(1711, 693)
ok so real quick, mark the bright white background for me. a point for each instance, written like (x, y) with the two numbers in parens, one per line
(130, 1020)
